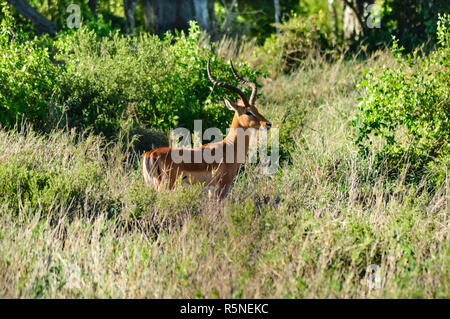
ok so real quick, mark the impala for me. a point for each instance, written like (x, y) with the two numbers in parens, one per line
(160, 169)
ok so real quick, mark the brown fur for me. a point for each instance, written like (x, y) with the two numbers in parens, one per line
(161, 171)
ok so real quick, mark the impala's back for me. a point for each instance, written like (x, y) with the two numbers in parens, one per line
(214, 164)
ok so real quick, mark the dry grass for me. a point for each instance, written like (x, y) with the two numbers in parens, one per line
(231, 48)
(77, 221)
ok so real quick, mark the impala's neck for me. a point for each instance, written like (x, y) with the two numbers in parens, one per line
(236, 135)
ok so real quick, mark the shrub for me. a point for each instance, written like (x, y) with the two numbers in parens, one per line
(104, 83)
(27, 75)
(408, 107)
(299, 37)
(413, 22)
(160, 83)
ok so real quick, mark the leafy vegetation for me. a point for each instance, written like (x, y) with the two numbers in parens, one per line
(109, 83)
(27, 75)
(408, 107)
(299, 38)
(412, 22)
(77, 207)
(363, 178)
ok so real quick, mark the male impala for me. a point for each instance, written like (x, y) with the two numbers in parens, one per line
(160, 168)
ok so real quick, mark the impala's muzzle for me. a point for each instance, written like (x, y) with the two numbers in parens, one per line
(266, 125)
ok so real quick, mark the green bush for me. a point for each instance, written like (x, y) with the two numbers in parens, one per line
(27, 76)
(413, 22)
(408, 107)
(108, 14)
(104, 83)
(299, 37)
(160, 83)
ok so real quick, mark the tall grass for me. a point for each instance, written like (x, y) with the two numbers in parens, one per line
(77, 221)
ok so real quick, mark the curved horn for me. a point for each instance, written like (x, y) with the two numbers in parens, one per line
(246, 83)
(227, 86)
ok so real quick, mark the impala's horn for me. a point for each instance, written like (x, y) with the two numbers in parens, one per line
(246, 83)
(227, 86)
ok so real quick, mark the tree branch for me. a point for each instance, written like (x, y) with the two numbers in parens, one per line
(41, 24)
(129, 7)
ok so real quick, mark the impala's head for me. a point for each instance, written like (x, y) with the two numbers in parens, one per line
(245, 110)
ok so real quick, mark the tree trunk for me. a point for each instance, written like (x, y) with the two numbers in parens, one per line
(129, 7)
(150, 20)
(333, 21)
(41, 24)
(212, 16)
(357, 6)
(276, 4)
(229, 12)
(93, 6)
(201, 13)
(163, 15)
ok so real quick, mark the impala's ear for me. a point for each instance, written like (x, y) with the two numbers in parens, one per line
(229, 104)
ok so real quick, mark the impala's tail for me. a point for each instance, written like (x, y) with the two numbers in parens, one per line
(150, 170)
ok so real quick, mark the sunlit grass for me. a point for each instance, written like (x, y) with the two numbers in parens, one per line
(77, 221)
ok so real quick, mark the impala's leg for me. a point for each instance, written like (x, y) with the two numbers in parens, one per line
(212, 192)
(224, 187)
(223, 192)
(151, 170)
(217, 191)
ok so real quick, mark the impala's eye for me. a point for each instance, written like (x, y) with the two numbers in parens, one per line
(249, 113)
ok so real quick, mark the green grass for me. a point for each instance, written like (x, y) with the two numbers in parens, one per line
(309, 231)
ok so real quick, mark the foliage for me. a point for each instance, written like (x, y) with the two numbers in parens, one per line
(161, 83)
(70, 202)
(251, 18)
(71, 199)
(408, 107)
(27, 75)
(109, 13)
(107, 81)
(412, 22)
(255, 18)
(299, 37)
